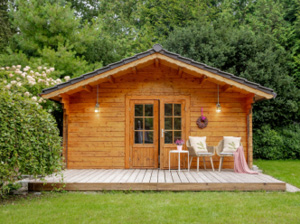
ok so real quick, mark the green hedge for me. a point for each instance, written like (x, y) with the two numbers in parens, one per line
(29, 140)
(281, 143)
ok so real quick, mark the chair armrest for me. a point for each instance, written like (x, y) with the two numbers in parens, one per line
(219, 148)
(192, 151)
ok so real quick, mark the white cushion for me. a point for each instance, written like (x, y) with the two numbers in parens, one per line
(198, 143)
(231, 143)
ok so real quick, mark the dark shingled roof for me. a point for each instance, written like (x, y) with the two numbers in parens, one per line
(158, 48)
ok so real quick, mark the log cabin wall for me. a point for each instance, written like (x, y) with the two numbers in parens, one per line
(97, 140)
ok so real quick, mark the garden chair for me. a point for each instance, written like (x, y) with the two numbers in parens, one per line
(196, 153)
(221, 153)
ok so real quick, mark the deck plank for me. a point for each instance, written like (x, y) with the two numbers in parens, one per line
(133, 176)
(168, 176)
(182, 177)
(175, 176)
(140, 177)
(161, 176)
(147, 176)
(154, 176)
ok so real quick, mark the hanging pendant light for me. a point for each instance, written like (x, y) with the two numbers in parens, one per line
(218, 103)
(97, 107)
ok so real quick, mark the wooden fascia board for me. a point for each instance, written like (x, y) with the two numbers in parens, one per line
(193, 70)
(132, 66)
(96, 78)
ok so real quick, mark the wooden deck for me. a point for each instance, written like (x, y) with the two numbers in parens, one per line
(158, 180)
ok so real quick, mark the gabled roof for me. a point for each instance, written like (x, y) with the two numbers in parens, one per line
(157, 52)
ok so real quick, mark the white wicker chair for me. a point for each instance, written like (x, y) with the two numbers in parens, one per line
(219, 150)
(194, 153)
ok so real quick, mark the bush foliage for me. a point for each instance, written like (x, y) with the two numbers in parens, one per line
(29, 140)
(281, 143)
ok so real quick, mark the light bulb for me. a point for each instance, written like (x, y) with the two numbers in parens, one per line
(218, 108)
(97, 108)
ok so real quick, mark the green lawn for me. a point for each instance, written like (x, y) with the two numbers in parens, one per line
(163, 207)
(151, 207)
(285, 170)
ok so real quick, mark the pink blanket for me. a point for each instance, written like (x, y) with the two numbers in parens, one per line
(240, 164)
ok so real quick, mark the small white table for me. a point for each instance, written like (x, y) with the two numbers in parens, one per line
(179, 152)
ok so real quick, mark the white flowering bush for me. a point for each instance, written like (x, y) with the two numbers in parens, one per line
(29, 82)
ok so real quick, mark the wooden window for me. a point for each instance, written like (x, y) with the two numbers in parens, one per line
(143, 123)
(173, 127)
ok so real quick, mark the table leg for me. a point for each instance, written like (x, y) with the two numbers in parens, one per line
(169, 161)
(179, 161)
(188, 161)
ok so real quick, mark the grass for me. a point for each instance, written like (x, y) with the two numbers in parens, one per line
(162, 207)
(154, 207)
(285, 170)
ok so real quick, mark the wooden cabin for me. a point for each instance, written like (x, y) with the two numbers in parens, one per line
(148, 101)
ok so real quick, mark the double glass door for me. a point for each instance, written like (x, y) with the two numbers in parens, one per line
(155, 125)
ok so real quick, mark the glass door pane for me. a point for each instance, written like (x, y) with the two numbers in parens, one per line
(143, 123)
(173, 124)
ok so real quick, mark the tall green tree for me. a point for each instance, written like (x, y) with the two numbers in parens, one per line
(246, 54)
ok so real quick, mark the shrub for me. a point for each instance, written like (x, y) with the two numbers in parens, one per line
(29, 140)
(281, 143)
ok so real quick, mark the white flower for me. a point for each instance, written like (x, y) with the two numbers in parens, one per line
(18, 79)
(58, 81)
(44, 101)
(8, 86)
(67, 78)
(34, 98)
(44, 75)
(47, 83)
(2, 68)
(13, 82)
(11, 75)
(52, 69)
(24, 74)
(19, 84)
(19, 66)
(31, 71)
(14, 67)
(49, 110)
(37, 74)
(48, 71)
(45, 68)
(40, 100)
(7, 68)
(26, 94)
(40, 80)
(5, 81)
(40, 68)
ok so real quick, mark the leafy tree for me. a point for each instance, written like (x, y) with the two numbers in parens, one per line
(243, 53)
(6, 30)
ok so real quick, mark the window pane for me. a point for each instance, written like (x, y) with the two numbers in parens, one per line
(149, 110)
(177, 135)
(177, 123)
(177, 109)
(168, 124)
(148, 123)
(168, 109)
(148, 137)
(168, 137)
(138, 137)
(138, 124)
(138, 110)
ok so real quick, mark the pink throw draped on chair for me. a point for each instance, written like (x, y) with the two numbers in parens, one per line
(240, 164)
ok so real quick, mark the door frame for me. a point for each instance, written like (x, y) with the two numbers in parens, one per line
(187, 99)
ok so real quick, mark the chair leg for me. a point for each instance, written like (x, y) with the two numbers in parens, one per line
(198, 164)
(221, 163)
(204, 162)
(212, 163)
(190, 162)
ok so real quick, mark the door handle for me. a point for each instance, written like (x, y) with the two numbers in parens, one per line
(162, 133)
